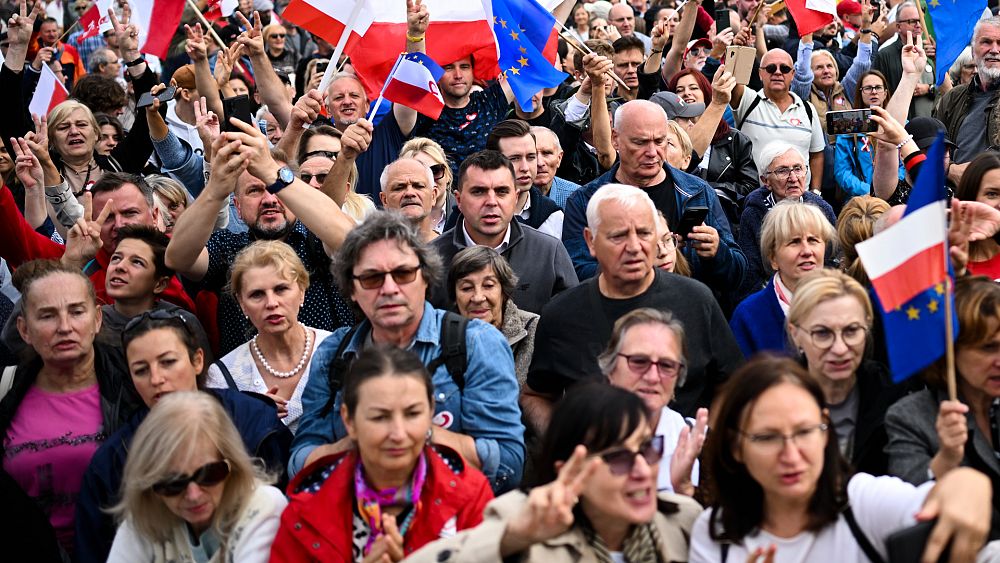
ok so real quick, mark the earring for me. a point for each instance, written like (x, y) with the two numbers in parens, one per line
(430, 433)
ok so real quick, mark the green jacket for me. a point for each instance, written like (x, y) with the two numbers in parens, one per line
(954, 106)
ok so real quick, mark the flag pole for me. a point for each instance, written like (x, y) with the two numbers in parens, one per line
(68, 30)
(949, 345)
(381, 94)
(211, 31)
(586, 51)
(341, 43)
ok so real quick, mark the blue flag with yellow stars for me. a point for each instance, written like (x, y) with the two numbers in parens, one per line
(915, 331)
(522, 27)
(953, 22)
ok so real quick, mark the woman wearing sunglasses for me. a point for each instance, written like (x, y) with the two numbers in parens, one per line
(269, 282)
(67, 395)
(781, 492)
(829, 323)
(646, 356)
(164, 357)
(394, 490)
(596, 499)
(190, 491)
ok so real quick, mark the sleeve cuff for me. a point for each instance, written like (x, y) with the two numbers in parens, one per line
(489, 456)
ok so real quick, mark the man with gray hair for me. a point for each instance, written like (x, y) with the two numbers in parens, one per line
(550, 155)
(105, 62)
(576, 325)
(387, 271)
(640, 137)
(408, 186)
(889, 59)
(977, 100)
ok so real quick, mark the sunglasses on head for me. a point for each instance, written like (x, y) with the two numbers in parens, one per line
(328, 154)
(621, 461)
(771, 68)
(155, 315)
(207, 475)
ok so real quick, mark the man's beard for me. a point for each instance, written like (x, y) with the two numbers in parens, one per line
(273, 233)
(987, 74)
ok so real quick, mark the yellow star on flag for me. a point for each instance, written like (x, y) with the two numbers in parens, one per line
(933, 306)
(514, 35)
(523, 50)
(934, 3)
(516, 71)
(913, 314)
(494, 20)
(939, 289)
(523, 61)
(503, 24)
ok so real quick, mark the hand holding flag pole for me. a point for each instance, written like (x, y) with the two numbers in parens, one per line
(583, 48)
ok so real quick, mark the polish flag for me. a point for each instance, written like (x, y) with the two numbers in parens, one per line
(49, 93)
(219, 9)
(157, 21)
(457, 30)
(811, 15)
(95, 20)
(413, 83)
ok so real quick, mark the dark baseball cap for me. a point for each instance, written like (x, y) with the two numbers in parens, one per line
(675, 106)
(925, 131)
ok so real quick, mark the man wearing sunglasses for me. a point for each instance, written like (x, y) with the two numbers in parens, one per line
(388, 271)
(775, 112)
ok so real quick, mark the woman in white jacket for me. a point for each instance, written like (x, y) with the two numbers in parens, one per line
(190, 491)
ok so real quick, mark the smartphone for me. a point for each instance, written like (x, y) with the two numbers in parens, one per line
(693, 217)
(238, 107)
(321, 67)
(907, 545)
(850, 122)
(165, 96)
(722, 21)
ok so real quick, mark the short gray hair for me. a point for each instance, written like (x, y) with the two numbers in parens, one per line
(643, 316)
(993, 21)
(773, 150)
(627, 196)
(383, 180)
(536, 129)
(100, 57)
(379, 226)
(476, 258)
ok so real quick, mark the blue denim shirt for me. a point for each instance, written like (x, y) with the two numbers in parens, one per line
(487, 410)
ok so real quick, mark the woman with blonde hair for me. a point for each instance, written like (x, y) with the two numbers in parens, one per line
(269, 282)
(430, 153)
(679, 146)
(856, 224)
(191, 492)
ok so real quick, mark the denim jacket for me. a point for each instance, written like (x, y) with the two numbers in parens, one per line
(487, 410)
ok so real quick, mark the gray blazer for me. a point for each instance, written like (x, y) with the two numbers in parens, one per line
(913, 440)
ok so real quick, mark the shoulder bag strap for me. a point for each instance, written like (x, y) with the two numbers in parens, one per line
(225, 373)
(859, 536)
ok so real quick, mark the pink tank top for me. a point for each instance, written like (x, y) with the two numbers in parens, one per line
(47, 448)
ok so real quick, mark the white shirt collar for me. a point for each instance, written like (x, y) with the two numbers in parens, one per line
(500, 248)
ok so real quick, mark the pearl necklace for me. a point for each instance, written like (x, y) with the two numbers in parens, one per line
(283, 374)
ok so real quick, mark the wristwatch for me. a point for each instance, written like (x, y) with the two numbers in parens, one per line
(285, 177)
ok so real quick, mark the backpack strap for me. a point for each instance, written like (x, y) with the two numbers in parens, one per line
(7, 380)
(338, 367)
(809, 109)
(453, 352)
(724, 551)
(753, 106)
(859, 536)
(226, 375)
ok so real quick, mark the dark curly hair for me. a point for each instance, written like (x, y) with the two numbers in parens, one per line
(100, 93)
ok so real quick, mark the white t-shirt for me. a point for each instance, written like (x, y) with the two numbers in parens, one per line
(881, 506)
(670, 426)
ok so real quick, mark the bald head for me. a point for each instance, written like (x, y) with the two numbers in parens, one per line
(638, 111)
(622, 17)
(776, 72)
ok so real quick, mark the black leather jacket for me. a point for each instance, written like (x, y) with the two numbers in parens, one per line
(732, 172)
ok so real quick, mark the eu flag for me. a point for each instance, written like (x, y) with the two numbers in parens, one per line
(915, 331)
(953, 21)
(522, 28)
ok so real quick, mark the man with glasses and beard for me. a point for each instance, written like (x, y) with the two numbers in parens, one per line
(300, 215)
(967, 107)
(775, 112)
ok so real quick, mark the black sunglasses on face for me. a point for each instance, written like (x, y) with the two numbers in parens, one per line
(771, 68)
(306, 177)
(438, 170)
(621, 461)
(154, 315)
(207, 475)
(375, 280)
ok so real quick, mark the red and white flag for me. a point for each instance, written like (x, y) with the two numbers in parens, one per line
(811, 15)
(49, 93)
(157, 21)
(413, 83)
(95, 20)
(219, 9)
(909, 257)
(457, 29)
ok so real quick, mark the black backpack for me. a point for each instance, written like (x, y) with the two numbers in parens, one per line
(453, 356)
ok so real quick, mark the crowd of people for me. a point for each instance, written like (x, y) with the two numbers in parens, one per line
(629, 324)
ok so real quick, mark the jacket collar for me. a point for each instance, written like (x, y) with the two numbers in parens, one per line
(428, 332)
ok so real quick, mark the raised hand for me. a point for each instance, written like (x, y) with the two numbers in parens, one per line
(356, 139)
(983, 220)
(225, 62)
(417, 18)
(953, 431)
(252, 39)
(913, 57)
(26, 165)
(597, 67)
(21, 24)
(38, 140)
(196, 47)
(227, 165)
(890, 130)
(722, 86)
(43, 56)
(659, 35)
(126, 32)
(689, 446)
(84, 239)
(253, 146)
(307, 109)
(208, 126)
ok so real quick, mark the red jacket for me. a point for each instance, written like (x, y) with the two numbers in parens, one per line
(317, 525)
(19, 243)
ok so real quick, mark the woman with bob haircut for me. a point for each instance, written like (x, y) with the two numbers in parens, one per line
(480, 283)
(395, 490)
(595, 497)
(269, 282)
(780, 491)
(930, 435)
(190, 492)
(793, 242)
(981, 182)
(829, 323)
(646, 355)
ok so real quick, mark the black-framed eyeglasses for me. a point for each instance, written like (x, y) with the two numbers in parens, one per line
(640, 364)
(375, 280)
(772, 68)
(911, 21)
(438, 171)
(621, 461)
(824, 337)
(872, 89)
(207, 475)
(320, 178)
(328, 154)
(135, 323)
(277, 36)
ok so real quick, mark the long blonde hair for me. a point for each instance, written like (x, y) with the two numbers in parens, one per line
(177, 425)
